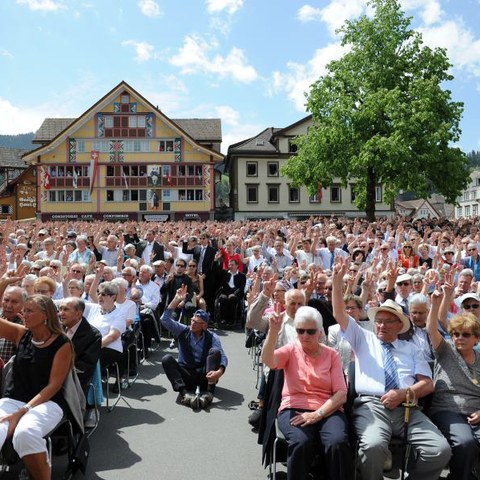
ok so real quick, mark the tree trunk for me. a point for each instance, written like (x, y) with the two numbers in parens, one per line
(370, 200)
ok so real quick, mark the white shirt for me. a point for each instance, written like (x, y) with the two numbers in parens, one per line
(326, 255)
(147, 252)
(151, 294)
(369, 367)
(115, 319)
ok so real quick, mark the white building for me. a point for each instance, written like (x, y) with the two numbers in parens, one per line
(468, 202)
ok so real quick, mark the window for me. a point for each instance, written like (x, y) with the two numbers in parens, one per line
(137, 146)
(135, 121)
(315, 198)
(335, 194)
(459, 211)
(467, 210)
(166, 197)
(252, 169)
(108, 121)
(6, 209)
(352, 193)
(125, 195)
(165, 145)
(252, 193)
(76, 195)
(125, 98)
(100, 146)
(378, 194)
(190, 194)
(474, 210)
(293, 194)
(80, 146)
(292, 148)
(273, 193)
(119, 126)
(272, 169)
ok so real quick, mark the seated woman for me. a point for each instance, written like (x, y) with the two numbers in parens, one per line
(110, 321)
(313, 393)
(33, 403)
(197, 284)
(455, 407)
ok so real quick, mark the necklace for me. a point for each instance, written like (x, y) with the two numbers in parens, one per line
(110, 311)
(37, 343)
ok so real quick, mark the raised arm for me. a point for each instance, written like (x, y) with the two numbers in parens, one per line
(432, 325)
(339, 312)
(268, 350)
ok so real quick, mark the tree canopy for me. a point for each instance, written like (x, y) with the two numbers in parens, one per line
(381, 116)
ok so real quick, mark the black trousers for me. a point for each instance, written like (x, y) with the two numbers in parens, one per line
(189, 378)
(333, 435)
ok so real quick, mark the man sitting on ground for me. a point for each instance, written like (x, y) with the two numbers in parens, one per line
(201, 359)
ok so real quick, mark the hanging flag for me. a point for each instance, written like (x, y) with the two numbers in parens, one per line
(46, 179)
(75, 178)
(93, 168)
(125, 178)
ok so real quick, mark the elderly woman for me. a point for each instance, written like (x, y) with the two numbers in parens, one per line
(455, 407)
(45, 286)
(313, 393)
(354, 308)
(33, 403)
(111, 323)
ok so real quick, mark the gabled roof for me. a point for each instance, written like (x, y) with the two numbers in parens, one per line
(12, 157)
(260, 143)
(200, 129)
(284, 131)
(71, 128)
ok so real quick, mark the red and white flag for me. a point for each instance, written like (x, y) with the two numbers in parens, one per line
(75, 178)
(94, 155)
(46, 179)
(319, 191)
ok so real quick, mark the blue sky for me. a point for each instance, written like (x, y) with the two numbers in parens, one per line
(247, 62)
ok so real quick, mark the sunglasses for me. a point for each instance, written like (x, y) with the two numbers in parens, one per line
(461, 334)
(77, 271)
(403, 284)
(181, 265)
(103, 294)
(308, 331)
(471, 249)
(472, 306)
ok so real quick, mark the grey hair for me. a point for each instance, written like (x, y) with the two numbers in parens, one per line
(77, 303)
(129, 246)
(418, 299)
(81, 238)
(120, 282)
(23, 293)
(466, 272)
(31, 277)
(77, 283)
(146, 268)
(308, 314)
(108, 287)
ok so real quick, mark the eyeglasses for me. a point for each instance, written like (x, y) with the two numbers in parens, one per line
(77, 271)
(308, 331)
(192, 265)
(385, 322)
(407, 246)
(461, 334)
(104, 294)
(181, 265)
(53, 267)
(42, 292)
(472, 306)
(404, 284)
(471, 249)
(448, 253)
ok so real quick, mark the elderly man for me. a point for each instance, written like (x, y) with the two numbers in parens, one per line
(419, 308)
(12, 304)
(327, 254)
(385, 369)
(109, 253)
(201, 359)
(86, 339)
(149, 249)
(472, 260)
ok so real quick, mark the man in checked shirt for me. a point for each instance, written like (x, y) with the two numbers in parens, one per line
(12, 304)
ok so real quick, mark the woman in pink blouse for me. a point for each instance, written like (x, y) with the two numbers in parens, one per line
(313, 393)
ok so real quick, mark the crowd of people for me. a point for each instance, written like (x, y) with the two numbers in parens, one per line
(390, 307)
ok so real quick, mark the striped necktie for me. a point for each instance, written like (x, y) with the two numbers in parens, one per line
(391, 375)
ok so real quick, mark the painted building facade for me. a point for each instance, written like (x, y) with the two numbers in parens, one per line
(123, 159)
(468, 204)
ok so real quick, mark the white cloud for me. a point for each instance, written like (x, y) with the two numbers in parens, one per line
(193, 58)
(463, 49)
(298, 79)
(150, 8)
(15, 120)
(307, 13)
(143, 50)
(42, 5)
(229, 115)
(229, 6)
(5, 53)
(431, 12)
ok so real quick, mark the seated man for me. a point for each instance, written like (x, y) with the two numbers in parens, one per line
(87, 341)
(201, 359)
(231, 292)
(385, 369)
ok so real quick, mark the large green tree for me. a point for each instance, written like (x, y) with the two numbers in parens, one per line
(381, 115)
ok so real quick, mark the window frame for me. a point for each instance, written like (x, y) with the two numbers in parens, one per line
(251, 164)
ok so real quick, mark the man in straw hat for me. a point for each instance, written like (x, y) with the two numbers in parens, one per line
(385, 367)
